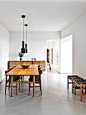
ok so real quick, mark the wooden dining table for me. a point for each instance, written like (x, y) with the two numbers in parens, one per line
(20, 71)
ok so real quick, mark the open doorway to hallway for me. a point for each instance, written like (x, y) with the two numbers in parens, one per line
(67, 54)
(48, 60)
(54, 54)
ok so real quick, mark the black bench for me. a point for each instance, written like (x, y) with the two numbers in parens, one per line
(72, 78)
(81, 84)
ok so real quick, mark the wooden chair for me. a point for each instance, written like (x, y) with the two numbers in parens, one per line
(72, 78)
(15, 78)
(37, 80)
(82, 85)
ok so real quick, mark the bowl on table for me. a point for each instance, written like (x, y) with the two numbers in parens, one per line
(25, 65)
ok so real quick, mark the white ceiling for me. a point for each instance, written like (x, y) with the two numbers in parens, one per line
(40, 16)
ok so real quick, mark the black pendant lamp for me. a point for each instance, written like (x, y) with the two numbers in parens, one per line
(26, 50)
(23, 49)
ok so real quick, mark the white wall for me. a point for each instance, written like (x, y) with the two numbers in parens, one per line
(66, 54)
(78, 29)
(37, 44)
(4, 51)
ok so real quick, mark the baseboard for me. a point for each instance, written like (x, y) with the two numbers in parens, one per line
(2, 80)
(56, 70)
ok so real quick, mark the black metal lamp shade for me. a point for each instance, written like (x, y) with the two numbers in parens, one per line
(23, 49)
(26, 50)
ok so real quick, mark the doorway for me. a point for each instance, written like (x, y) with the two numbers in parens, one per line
(47, 55)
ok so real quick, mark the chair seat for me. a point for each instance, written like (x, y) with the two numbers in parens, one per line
(81, 81)
(14, 79)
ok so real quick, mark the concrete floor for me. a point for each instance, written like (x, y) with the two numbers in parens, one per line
(56, 99)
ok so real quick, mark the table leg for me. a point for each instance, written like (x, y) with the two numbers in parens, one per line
(11, 85)
(33, 85)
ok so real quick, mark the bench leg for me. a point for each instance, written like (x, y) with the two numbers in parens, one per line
(85, 89)
(72, 85)
(81, 93)
(74, 88)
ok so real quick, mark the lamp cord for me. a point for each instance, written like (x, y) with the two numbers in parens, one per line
(26, 34)
(23, 29)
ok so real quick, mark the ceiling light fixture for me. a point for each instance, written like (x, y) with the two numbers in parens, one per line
(26, 50)
(23, 49)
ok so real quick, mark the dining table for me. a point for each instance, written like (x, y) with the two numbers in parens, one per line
(20, 71)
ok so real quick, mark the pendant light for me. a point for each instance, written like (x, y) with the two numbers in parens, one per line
(26, 50)
(23, 49)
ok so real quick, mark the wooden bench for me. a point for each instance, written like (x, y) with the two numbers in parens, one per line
(72, 78)
(81, 84)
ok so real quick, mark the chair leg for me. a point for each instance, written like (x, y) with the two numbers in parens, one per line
(67, 83)
(22, 78)
(5, 84)
(9, 83)
(29, 88)
(81, 94)
(9, 86)
(19, 85)
(41, 88)
(16, 89)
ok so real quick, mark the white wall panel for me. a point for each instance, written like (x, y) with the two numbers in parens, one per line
(4, 51)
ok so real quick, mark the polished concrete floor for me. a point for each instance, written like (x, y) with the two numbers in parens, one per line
(56, 99)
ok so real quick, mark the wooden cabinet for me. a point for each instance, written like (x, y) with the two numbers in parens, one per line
(12, 63)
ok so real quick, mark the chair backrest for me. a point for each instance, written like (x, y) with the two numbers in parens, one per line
(7, 71)
(39, 67)
(14, 66)
(40, 71)
(10, 69)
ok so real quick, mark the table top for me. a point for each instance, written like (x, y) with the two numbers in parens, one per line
(19, 70)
